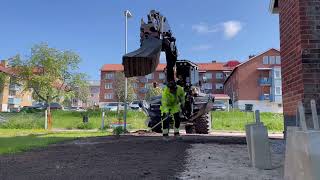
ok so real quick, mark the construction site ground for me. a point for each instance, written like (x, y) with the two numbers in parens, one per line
(143, 155)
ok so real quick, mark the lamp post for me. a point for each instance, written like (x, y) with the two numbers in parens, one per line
(127, 15)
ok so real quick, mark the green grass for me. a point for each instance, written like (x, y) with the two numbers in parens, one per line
(236, 120)
(70, 120)
(73, 120)
(226, 121)
(23, 120)
(14, 140)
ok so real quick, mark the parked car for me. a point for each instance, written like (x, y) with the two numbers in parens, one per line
(54, 106)
(219, 105)
(30, 109)
(134, 105)
(79, 109)
(113, 106)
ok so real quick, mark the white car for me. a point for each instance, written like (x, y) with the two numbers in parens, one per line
(113, 106)
(134, 105)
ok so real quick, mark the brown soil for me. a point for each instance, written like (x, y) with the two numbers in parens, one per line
(125, 157)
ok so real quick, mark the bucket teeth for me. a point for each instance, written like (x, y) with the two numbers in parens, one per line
(144, 60)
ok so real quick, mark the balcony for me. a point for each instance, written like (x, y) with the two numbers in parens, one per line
(264, 97)
(14, 87)
(265, 81)
(14, 101)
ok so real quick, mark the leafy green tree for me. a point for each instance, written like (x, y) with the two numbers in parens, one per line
(50, 73)
(80, 90)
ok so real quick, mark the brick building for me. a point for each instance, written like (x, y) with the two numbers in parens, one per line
(12, 96)
(212, 76)
(300, 53)
(257, 82)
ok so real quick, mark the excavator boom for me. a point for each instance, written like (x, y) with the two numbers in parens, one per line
(155, 36)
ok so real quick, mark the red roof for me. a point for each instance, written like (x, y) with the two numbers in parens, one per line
(232, 63)
(112, 67)
(6, 70)
(211, 66)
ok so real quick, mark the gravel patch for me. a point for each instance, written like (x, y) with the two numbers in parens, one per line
(230, 162)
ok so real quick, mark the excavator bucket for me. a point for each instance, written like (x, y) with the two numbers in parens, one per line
(144, 60)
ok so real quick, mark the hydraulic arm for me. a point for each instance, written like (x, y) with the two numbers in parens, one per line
(155, 36)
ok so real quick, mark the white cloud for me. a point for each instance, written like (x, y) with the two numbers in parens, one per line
(231, 28)
(204, 28)
(201, 47)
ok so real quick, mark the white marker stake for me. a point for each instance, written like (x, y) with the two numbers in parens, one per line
(314, 115)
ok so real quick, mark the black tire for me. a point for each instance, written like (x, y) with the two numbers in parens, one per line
(202, 124)
(190, 129)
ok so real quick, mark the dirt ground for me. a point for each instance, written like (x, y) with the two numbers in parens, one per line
(139, 157)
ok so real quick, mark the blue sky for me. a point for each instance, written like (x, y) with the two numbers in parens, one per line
(206, 30)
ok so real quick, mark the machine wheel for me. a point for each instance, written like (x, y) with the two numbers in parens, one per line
(190, 129)
(202, 125)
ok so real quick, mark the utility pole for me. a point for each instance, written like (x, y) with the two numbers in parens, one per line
(127, 15)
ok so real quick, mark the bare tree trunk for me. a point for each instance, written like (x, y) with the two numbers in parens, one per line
(49, 118)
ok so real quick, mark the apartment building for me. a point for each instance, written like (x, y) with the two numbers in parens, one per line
(94, 87)
(93, 99)
(12, 96)
(257, 82)
(212, 76)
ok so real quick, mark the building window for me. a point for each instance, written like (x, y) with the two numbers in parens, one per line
(272, 60)
(219, 75)
(108, 96)
(265, 60)
(219, 86)
(108, 86)
(278, 60)
(147, 86)
(149, 76)
(277, 74)
(109, 76)
(92, 95)
(208, 75)
(278, 90)
(161, 75)
(135, 85)
(208, 86)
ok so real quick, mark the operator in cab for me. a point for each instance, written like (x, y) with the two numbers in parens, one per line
(172, 102)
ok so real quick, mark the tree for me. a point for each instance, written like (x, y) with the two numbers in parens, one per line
(50, 73)
(80, 90)
(119, 88)
(152, 92)
(3, 80)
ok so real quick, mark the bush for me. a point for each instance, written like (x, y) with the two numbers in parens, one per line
(118, 130)
(85, 126)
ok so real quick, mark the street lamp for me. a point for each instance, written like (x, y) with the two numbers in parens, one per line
(127, 15)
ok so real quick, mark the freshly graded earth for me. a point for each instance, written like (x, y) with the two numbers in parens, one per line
(139, 157)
